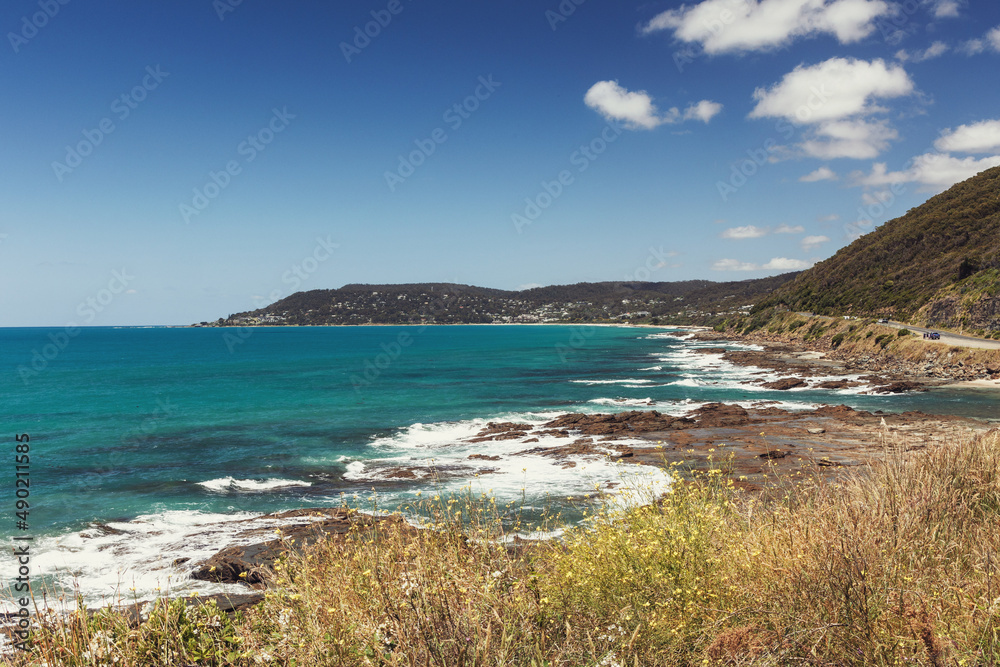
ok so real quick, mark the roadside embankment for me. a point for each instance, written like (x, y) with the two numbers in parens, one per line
(862, 346)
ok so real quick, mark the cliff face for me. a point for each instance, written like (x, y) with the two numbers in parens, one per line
(972, 303)
(952, 312)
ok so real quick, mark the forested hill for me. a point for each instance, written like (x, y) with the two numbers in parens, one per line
(445, 303)
(938, 264)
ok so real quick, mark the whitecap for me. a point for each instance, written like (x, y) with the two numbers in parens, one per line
(231, 484)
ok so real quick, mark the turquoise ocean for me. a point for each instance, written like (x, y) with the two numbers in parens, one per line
(147, 443)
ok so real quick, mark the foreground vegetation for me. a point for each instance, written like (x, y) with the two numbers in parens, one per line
(895, 564)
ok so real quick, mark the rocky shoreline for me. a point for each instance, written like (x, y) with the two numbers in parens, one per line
(940, 365)
(756, 447)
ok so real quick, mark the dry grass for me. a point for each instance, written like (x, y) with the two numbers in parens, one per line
(896, 565)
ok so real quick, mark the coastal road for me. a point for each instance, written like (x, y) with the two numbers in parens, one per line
(958, 340)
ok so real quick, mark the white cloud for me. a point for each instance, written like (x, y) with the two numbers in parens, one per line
(973, 47)
(934, 171)
(521, 288)
(821, 174)
(613, 102)
(836, 99)
(788, 229)
(935, 50)
(981, 137)
(733, 26)
(745, 232)
(776, 264)
(636, 108)
(855, 139)
(734, 265)
(976, 46)
(785, 264)
(810, 242)
(833, 217)
(945, 9)
(832, 90)
(703, 111)
(881, 197)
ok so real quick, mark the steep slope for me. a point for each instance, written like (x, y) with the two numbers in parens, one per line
(938, 263)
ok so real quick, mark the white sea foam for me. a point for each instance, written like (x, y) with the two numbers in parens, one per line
(355, 470)
(509, 470)
(630, 402)
(622, 381)
(676, 335)
(133, 561)
(230, 484)
(701, 370)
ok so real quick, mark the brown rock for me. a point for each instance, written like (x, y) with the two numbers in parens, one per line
(899, 388)
(834, 384)
(256, 559)
(835, 411)
(785, 384)
(501, 431)
(717, 415)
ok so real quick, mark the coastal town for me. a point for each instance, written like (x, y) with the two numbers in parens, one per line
(646, 303)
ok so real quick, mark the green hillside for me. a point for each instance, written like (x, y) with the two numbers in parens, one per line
(939, 263)
(691, 301)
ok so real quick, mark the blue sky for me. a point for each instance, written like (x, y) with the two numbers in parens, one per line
(175, 163)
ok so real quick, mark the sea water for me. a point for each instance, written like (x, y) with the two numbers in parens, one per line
(147, 444)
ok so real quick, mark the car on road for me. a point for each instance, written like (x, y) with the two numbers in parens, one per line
(883, 321)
